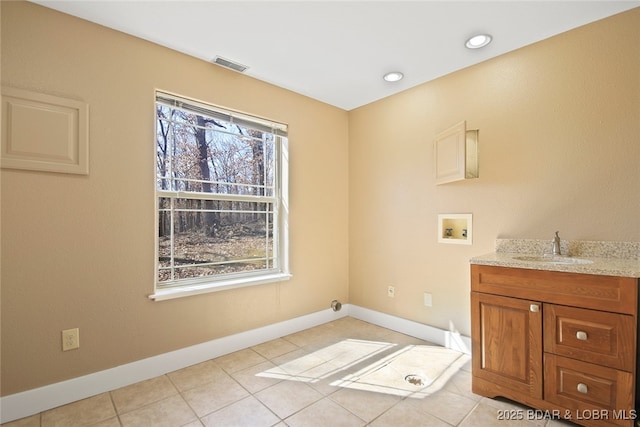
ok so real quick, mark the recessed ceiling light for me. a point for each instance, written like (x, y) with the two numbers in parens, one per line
(478, 41)
(393, 76)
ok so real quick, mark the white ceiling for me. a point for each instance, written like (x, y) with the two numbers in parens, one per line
(337, 51)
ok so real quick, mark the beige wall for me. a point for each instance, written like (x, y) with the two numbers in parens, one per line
(78, 251)
(559, 125)
(559, 148)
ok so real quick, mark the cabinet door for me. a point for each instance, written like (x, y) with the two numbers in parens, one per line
(592, 336)
(506, 338)
(450, 154)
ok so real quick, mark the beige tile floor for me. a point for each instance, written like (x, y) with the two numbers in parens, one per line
(343, 373)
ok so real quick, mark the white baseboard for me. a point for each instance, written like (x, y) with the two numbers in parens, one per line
(30, 402)
(448, 339)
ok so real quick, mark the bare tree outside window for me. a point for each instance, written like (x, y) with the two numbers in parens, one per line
(218, 194)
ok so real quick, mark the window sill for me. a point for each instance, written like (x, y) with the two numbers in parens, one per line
(204, 288)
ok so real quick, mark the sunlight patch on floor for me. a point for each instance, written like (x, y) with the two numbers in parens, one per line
(327, 361)
(415, 370)
(381, 367)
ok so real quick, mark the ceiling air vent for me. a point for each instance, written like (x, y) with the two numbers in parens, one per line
(229, 64)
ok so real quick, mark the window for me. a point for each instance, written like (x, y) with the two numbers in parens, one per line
(221, 191)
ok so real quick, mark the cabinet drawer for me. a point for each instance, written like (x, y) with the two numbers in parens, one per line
(606, 293)
(582, 386)
(591, 336)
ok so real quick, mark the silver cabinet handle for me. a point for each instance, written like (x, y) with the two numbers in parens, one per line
(581, 335)
(582, 388)
(534, 308)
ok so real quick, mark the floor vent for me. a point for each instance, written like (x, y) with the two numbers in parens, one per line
(229, 64)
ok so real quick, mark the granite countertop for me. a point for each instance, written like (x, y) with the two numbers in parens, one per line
(607, 258)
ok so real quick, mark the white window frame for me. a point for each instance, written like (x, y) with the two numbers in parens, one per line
(280, 271)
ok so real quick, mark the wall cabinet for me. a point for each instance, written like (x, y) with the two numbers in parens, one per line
(456, 154)
(556, 341)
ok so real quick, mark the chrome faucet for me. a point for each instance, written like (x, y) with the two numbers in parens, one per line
(555, 245)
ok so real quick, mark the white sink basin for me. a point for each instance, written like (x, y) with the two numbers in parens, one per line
(550, 259)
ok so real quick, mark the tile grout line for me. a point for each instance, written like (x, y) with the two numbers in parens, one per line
(115, 408)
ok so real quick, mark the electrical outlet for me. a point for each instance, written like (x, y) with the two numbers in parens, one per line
(428, 300)
(391, 292)
(70, 339)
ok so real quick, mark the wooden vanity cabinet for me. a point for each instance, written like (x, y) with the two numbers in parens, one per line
(556, 341)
